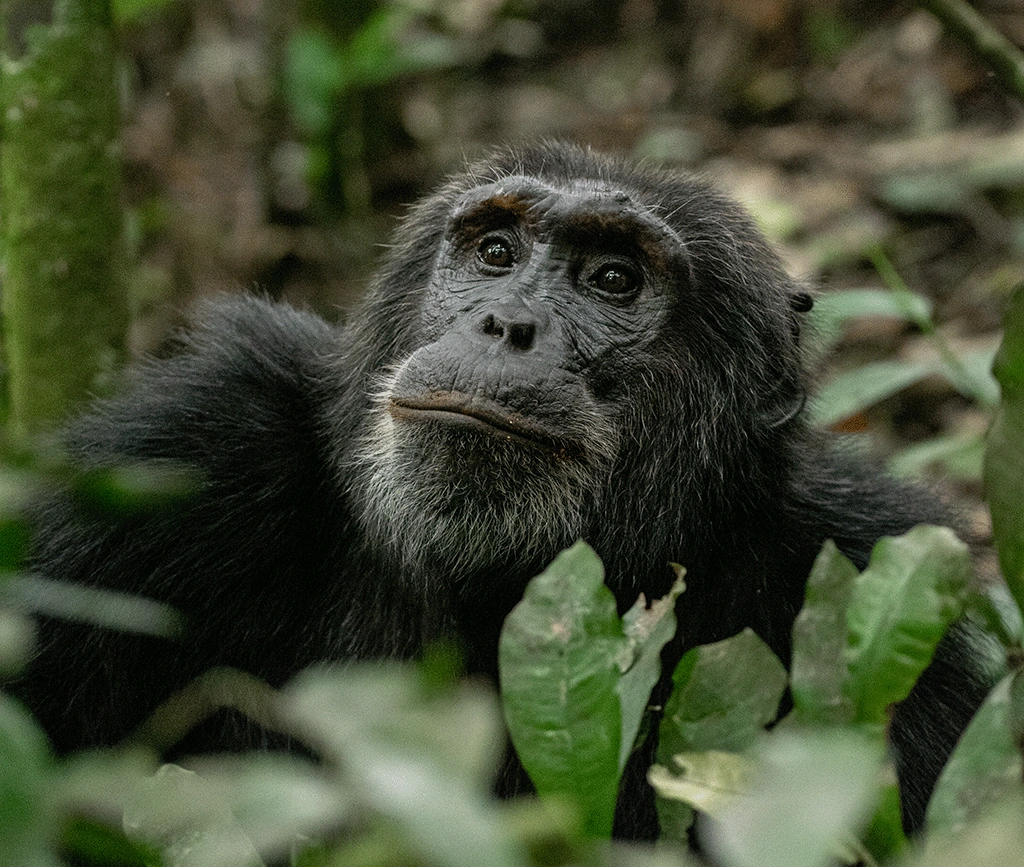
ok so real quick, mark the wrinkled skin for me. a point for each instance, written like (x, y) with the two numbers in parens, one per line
(558, 346)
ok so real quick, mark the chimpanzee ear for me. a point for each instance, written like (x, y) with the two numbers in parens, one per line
(789, 397)
(800, 303)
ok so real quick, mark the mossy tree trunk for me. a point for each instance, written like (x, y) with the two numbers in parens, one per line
(63, 302)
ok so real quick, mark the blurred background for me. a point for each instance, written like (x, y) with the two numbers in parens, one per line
(271, 145)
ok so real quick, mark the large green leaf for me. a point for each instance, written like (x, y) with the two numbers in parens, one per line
(901, 606)
(985, 766)
(861, 388)
(576, 680)
(25, 774)
(819, 641)
(1004, 456)
(724, 695)
(559, 661)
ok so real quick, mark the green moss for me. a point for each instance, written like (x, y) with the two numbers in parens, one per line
(63, 305)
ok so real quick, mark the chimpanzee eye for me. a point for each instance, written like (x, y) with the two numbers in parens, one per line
(496, 253)
(615, 279)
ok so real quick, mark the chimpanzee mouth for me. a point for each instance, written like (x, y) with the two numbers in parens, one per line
(455, 408)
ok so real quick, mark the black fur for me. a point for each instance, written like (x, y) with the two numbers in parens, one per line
(341, 517)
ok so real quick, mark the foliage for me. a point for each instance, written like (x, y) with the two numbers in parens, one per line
(1003, 467)
(131, 10)
(848, 394)
(855, 391)
(331, 66)
(858, 646)
(408, 760)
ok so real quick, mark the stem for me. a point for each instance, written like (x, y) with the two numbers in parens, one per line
(987, 43)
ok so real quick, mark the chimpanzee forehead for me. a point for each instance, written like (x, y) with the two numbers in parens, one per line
(586, 206)
(539, 191)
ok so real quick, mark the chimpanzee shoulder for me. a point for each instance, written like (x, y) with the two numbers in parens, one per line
(243, 372)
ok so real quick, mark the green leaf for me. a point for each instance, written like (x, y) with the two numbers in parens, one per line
(393, 707)
(93, 842)
(188, 821)
(25, 774)
(996, 840)
(273, 798)
(559, 659)
(883, 837)
(977, 370)
(17, 639)
(832, 311)
(415, 754)
(18, 489)
(313, 79)
(648, 630)
(901, 606)
(819, 641)
(985, 766)
(993, 608)
(708, 781)
(107, 781)
(1004, 457)
(107, 608)
(861, 388)
(926, 191)
(93, 790)
(378, 54)
(811, 792)
(724, 695)
(132, 10)
(960, 456)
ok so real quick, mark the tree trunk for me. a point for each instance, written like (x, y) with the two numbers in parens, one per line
(64, 307)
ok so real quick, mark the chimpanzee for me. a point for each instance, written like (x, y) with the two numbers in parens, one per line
(559, 345)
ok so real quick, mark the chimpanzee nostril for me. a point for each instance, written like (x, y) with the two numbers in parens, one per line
(521, 334)
(492, 328)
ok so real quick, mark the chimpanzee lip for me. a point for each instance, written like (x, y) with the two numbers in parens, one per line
(456, 408)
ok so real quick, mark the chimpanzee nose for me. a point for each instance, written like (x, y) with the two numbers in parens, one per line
(516, 327)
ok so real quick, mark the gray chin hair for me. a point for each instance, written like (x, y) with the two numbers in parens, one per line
(456, 501)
